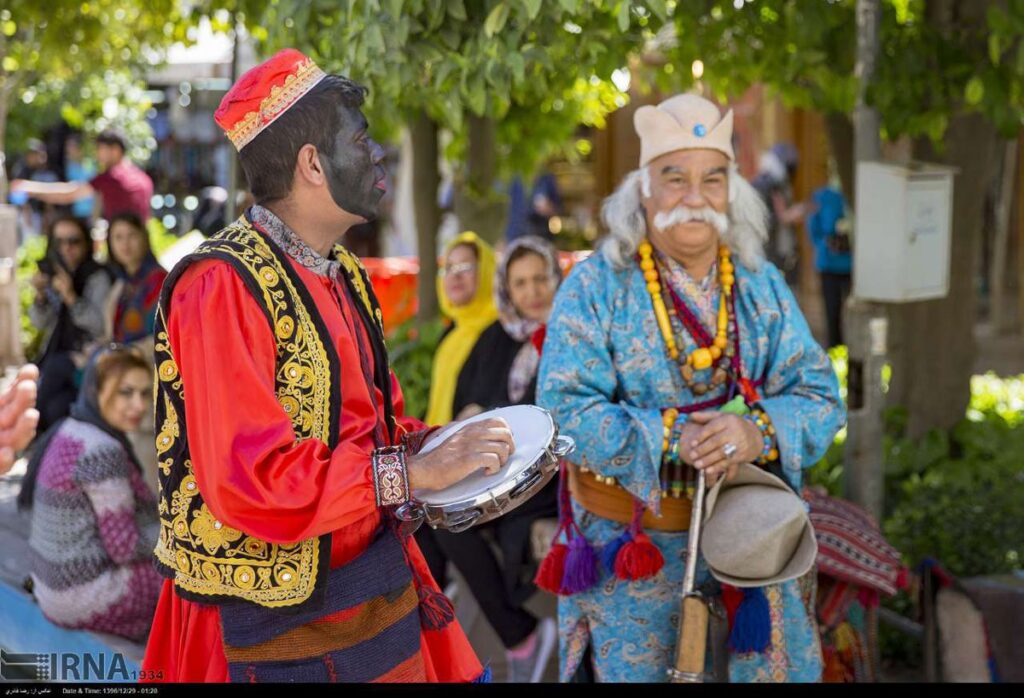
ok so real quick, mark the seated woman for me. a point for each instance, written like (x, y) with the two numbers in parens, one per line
(139, 278)
(500, 371)
(71, 292)
(94, 520)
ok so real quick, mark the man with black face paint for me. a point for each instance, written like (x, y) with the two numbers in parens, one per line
(282, 445)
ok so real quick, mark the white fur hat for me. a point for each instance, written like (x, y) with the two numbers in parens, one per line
(683, 122)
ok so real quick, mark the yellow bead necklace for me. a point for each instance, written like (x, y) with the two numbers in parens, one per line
(702, 357)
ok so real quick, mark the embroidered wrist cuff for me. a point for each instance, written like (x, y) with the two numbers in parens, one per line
(414, 440)
(390, 477)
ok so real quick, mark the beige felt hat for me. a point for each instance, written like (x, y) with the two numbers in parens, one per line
(683, 122)
(757, 531)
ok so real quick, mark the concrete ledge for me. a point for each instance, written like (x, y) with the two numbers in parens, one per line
(24, 629)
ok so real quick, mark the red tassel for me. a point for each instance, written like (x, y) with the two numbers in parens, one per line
(868, 598)
(731, 599)
(552, 569)
(638, 559)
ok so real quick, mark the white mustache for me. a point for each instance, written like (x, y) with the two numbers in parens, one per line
(684, 214)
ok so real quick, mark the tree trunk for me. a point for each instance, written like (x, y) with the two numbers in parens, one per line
(840, 139)
(1001, 320)
(477, 205)
(425, 183)
(934, 340)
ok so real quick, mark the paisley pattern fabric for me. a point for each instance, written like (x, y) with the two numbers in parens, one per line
(606, 376)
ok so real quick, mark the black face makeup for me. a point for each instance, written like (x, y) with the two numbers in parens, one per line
(355, 175)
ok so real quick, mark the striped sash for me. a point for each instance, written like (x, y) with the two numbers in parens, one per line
(368, 629)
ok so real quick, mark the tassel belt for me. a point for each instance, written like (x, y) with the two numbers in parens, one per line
(616, 504)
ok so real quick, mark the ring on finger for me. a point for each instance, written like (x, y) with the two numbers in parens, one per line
(729, 450)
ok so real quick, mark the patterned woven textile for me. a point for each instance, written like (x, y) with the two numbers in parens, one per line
(368, 629)
(851, 547)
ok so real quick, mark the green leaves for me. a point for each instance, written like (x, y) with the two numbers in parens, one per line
(457, 10)
(659, 8)
(532, 8)
(975, 91)
(476, 94)
(508, 60)
(622, 15)
(496, 19)
(804, 51)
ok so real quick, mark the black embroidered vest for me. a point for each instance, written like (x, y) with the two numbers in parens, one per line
(209, 561)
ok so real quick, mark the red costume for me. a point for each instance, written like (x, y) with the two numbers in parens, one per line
(253, 473)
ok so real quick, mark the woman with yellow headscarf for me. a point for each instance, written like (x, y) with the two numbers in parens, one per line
(465, 292)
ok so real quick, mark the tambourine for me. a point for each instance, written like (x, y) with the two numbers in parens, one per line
(480, 497)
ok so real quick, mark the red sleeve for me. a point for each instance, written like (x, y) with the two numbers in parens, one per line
(406, 424)
(251, 471)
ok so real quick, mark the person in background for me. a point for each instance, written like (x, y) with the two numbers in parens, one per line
(76, 169)
(533, 216)
(139, 278)
(122, 185)
(464, 292)
(500, 371)
(33, 167)
(131, 310)
(94, 520)
(71, 293)
(829, 227)
(774, 182)
(18, 415)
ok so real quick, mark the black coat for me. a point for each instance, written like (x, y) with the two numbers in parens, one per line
(484, 377)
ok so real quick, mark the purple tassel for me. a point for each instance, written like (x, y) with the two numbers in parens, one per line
(752, 627)
(581, 567)
(612, 548)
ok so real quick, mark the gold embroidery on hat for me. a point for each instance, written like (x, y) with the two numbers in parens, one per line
(305, 77)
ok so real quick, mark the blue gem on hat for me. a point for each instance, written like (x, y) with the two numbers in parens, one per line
(700, 130)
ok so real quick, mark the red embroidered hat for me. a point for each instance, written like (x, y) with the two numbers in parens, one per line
(264, 93)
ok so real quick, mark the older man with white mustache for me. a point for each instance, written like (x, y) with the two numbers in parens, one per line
(677, 315)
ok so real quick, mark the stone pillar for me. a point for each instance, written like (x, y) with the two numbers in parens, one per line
(10, 308)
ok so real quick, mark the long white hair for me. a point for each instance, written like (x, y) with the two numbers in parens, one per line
(623, 214)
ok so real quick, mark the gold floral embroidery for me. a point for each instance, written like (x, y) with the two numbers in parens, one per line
(211, 533)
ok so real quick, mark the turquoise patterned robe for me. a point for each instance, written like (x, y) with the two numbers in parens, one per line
(606, 376)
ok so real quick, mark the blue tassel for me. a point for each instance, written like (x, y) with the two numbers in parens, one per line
(751, 629)
(581, 567)
(612, 548)
(485, 677)
(993, 669)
